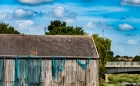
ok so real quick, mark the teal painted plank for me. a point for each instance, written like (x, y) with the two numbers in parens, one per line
(1, 71)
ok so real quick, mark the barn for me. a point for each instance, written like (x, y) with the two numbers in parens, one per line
(48, 60)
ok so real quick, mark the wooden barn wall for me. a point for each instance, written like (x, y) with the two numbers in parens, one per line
(72, 75)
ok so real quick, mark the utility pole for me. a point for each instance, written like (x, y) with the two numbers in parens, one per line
(103, 33)
(44, 30)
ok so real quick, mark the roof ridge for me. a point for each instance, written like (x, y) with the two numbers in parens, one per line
(44, 35)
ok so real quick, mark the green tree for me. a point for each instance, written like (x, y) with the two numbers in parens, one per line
(136, 58)
(57, 27)
(115, 59)
(127, 57)
(103, 46)
(110, 56)
(117, 56)
(6, 29)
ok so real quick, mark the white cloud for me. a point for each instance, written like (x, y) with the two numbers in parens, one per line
(24, 24)
(132, 42)
(90, 25)
(34, 2)
(29, 27)
(23, 13)
(130, 2)
(61, 12)
(126, 26)
(69, 21)
(103, 25)
(5, 16)
(58, 12)
(135, 20)
(98, 9)
(109, 8)
(96, 19)
(72, 15)
(20, 13)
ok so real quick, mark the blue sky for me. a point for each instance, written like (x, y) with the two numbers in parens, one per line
(120, 19)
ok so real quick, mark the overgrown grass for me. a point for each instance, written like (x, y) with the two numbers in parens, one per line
(112, 85)
(121, 78)
(118, 79)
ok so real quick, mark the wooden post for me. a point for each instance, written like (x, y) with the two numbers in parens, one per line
(106, 78)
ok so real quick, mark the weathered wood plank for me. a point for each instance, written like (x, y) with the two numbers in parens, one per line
(9, 72)
(73, 72)
(72, 75)
(48, 73)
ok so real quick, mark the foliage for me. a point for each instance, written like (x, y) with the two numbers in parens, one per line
(57, 27)
(136, 58)
(122, 58)
(117, 56)
(114, 59)
(122, 78)
(126, 57)
(6, 29)
(110, 56)
(103, 46)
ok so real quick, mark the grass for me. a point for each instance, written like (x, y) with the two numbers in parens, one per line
(113, 85)
(117, 79)
(121, 78)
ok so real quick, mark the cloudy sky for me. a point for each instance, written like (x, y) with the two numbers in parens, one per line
(120, 19)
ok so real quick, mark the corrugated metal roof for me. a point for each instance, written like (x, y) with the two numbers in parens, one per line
(47, 45)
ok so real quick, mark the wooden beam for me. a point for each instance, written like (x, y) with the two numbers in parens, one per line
(44, 57)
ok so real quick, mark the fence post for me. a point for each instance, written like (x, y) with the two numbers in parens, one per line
(106, 78)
